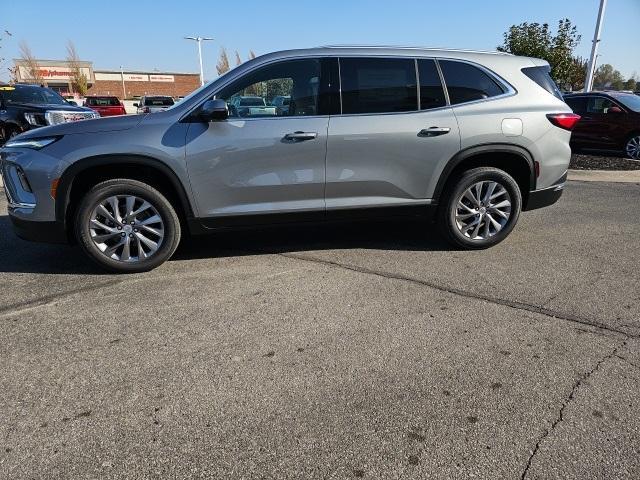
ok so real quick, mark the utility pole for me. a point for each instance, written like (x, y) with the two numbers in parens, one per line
(588, 84)
(200, 40)
(124, 92)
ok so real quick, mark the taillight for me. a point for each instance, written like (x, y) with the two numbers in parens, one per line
(564, 120)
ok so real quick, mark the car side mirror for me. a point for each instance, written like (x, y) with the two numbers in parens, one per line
(216, 109)
(71, 102)
(614, 110)
(136, 105)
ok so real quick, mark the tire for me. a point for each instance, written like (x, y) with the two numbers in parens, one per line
(103, 235)
(479, 225)
(632, 147)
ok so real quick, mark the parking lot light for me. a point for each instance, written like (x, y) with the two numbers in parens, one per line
(199, 40)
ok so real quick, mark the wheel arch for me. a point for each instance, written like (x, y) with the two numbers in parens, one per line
(83, 174)
(513, 159)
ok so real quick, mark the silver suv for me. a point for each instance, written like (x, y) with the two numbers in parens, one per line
(465, 138)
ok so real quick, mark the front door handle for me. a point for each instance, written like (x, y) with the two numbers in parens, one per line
(433, 131)
(300, 136)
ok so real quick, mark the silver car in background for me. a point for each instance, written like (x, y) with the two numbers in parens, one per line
(153, 104)
(464, 140)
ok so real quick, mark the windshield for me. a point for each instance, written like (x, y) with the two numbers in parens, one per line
(632, 102)
(31, 94)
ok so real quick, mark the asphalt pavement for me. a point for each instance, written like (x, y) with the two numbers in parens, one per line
(351, 351)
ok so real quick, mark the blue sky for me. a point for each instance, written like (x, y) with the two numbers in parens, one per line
(148, 34)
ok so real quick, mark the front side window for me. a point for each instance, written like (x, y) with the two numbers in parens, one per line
(599, 105)
(31, 94)
(467, 83)
(431, 91)
(378, 85)
(257, 94)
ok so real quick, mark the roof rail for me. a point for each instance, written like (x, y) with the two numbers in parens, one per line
(405, 47)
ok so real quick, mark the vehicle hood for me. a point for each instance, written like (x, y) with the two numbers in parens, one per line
(43, 107)
(108, 124)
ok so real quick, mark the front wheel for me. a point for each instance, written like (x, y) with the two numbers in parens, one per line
(480, 209)
(127, 226)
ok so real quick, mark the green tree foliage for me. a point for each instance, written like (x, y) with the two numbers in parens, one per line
(607, 77)
(537, 40)
(631, 84)
(79, 81)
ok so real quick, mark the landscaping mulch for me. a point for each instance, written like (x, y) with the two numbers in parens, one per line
(581, 161)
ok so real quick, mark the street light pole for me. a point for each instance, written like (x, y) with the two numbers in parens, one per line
(200, 40)
(124, 92)
(588, 84)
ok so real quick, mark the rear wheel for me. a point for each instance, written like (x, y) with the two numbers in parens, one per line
(480, 209)
(632, 147)
(127, 226)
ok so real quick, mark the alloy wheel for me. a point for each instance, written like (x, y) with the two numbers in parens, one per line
(126, 228)
(483, 210)
(633, 147)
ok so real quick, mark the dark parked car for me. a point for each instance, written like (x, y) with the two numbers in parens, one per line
(609, 121)
(105, 106)
(24, 107)
(153, 104)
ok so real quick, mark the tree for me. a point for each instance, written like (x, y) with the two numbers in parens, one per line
(223, 62)
(536, 40)
(238, 59)
(578, 73)
(31, 64)
(606, 77)
(252, 55)
(79, 81)
(631, 84)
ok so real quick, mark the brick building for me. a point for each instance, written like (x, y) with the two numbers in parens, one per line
(122, 84)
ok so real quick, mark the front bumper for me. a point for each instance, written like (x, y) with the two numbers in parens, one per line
(45, 232)
(545, 196)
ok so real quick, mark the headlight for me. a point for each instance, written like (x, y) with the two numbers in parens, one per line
(34, 143)
(36, 119)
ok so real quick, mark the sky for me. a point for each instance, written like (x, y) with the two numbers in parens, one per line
(148, 35)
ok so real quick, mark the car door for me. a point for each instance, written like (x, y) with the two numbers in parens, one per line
(259, 160)
(391, 137)
(579, 134)
(598, 125)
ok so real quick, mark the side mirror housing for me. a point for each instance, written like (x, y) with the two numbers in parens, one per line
(216, 109)
(71, 102)
(136, 105)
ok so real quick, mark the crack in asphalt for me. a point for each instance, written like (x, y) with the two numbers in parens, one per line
(560, 418)
(464, 293)
(18, 307)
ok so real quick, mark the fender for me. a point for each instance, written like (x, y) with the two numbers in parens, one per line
(463, 155)
(68, 176)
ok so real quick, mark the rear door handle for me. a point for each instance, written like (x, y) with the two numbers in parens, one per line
(433, 131)
(300, 136)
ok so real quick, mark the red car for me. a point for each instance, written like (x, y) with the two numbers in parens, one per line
(105, 106)
(609, 121)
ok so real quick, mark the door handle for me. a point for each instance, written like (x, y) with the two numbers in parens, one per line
(433, 131)
(300, 136)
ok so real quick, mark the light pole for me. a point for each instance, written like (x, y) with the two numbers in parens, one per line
(124, 92)
(588, 84)
(200, 40)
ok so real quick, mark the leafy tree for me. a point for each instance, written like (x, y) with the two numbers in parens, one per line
(607, 77)
(31, 64)
(79, 81)
(537, 40)
(578, 73)
(223, 62)
(631, 84)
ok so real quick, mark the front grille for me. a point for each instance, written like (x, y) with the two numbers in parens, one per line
(55, 117)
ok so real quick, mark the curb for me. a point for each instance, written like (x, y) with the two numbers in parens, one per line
(612, 176)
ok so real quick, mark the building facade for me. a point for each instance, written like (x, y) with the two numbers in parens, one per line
(126, 84)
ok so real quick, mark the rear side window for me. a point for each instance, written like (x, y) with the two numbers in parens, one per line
(577, 104)
(378, 85)
(541, 76)
(599, 105)
(103, 102)
(466, 83)
(431, 91)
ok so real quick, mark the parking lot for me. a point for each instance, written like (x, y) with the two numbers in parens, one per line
(368, 351)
